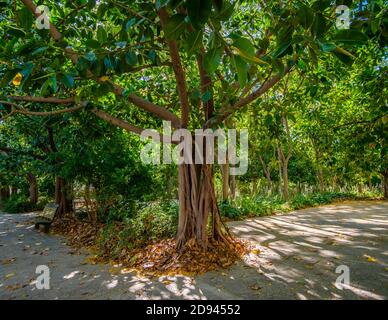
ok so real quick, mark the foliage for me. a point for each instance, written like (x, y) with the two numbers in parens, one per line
(259, 206)
(152, 222)
(314, 98)
(19, 203)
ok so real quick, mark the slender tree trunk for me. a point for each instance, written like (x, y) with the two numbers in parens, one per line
(233, 187)
(225, 181)
(321, 179)
(283, 164)
(370, 182)
(33, 188)
(14, 190)
(266, 172)
(318, 158)
(198, 206)
(285, 181)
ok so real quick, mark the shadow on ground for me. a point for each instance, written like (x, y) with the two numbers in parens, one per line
(297, 259)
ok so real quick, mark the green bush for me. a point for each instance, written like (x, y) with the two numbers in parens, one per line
(257, 206)
(153, 221)
(229, 210)
(19, 203)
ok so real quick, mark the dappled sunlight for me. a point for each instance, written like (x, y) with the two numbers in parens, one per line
(295, 257)
(70, 275)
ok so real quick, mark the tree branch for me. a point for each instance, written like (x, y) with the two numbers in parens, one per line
(226, 111)
(9, 150)
(140, 102)
(43, 99)
(178, 71)
(124, 124)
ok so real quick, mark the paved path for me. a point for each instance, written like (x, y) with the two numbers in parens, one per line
(299, 254)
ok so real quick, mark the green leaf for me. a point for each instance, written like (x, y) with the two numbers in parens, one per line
(131, 58)
(68, 81)
(313, 56)
(15, 32)
(206, 96)
(343, 57)
(285, 34)
(161, 3)
(350, 36)
(212, 59)
(193, 42)
(25, 18)
(278, 64)
(82, 64)
(108, 62)
(175, 27)
(152, 55)
(198, 11)
(281, 50)
(91, 43)
(242, 70)
(39, 50)
(305, 16)
(129, 24)
(245, 46)
(226, 12)
(104, 88)
(327, 46)
(319, 27)
(53, 83)
(101, 34)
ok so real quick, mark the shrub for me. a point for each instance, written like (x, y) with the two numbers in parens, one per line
(152, 222)
(229, 210)
(19, 203)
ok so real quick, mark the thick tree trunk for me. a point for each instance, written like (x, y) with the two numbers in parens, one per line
(33, 188)
(198, 206)
(385, 183)
(63, 196)
(4, 193)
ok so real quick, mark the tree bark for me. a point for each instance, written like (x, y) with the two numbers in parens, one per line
(266, 172)
(4, 193)
(318, 158)
(284, 173)
(14, 190)
(33, 188)
(225, 181)
(385, 183)
(63, 196)
(233, 187)
(198, 206)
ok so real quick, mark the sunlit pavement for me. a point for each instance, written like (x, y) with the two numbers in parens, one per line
(298, 256)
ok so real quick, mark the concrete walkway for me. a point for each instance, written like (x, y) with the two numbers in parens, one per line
(297, 258)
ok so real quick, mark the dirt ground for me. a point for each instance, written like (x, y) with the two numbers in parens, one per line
(297, 258)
